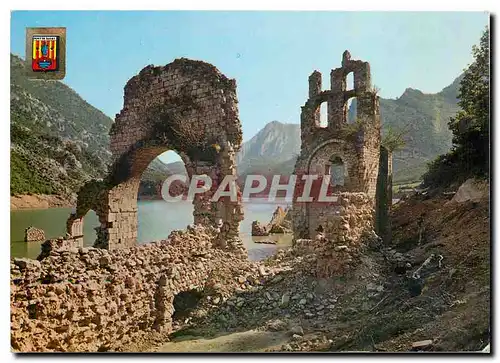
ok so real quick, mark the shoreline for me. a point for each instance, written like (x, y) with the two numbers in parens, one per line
(38, 202)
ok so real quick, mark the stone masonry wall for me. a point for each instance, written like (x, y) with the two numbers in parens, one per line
(345, 227)
(33, 234)
(342, 221)
(356, 144)
(187, 106)
(88, 299)
(384, 195)
(193, 91)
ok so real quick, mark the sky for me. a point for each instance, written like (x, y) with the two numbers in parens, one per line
(270, 54)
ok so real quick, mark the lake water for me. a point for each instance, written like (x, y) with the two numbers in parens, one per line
(156, 220)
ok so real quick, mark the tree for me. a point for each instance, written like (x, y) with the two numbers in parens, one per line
(470, 127)
(469, 156)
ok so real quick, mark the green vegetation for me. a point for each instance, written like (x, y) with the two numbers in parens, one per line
(58, 141)
(58, 110)
(393, 139)
(469, 156)
(410, 174)
(24, 179)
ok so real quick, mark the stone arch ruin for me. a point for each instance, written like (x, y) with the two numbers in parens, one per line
(356, 145)
(187, 106)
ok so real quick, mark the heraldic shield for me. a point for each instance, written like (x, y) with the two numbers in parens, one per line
(45, 57)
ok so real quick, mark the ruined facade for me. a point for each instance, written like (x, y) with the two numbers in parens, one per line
(186, 106)
(347, 151)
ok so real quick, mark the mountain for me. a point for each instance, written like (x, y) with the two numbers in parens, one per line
(153, 177)
(276, 141)
(422, 117)
(58, 140)
(156, 171)
(54, 108)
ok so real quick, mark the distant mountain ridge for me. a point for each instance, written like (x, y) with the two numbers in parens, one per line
(424, 116)
(58, 140)
(276, 143)
(54, 108)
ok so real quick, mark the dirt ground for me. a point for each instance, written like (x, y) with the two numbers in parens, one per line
(453, 306)
(248, 341)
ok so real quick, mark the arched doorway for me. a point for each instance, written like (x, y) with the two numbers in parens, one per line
(157, 217)
(91, 226)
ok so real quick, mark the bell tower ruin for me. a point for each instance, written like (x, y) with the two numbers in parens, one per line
(346, 150)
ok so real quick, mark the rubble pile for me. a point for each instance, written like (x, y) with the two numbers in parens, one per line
(288, 297)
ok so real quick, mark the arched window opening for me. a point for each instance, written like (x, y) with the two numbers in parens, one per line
(351, 110)
(337, 172)
(323, 115)
(349, 81)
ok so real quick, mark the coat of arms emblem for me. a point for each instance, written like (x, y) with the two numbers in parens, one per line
(45, 53)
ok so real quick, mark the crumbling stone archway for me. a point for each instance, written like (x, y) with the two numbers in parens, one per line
(186, 106)
(92, 196)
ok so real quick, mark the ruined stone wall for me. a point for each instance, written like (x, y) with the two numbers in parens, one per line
(194, 92)
(342, 221)
(345, 229)
(186, 106)
(33, 234)
(88, 299)
(356, 144)
(384, 195)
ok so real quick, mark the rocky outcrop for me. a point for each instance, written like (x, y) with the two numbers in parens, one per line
(33, 234)
(259, 230)
(473, 190)
(88, 299)
(280, 223)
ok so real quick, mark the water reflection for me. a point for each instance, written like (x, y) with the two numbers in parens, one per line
(156, 220)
